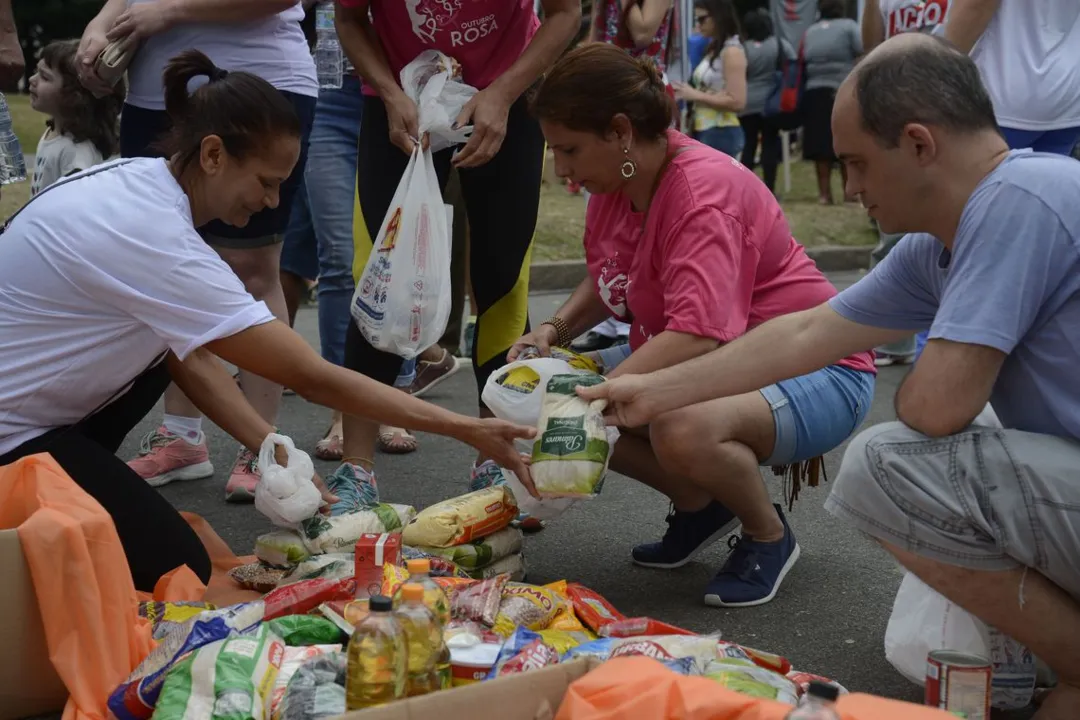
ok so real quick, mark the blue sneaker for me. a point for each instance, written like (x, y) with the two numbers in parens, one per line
(355, 488)
(687, 535)
(754, 570)
(487, 474)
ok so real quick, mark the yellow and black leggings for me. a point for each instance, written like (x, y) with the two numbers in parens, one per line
(501, 201)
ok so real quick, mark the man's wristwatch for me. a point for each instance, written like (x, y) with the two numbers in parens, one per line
(562, 330)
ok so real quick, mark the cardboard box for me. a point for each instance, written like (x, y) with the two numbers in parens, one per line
(28, 684)
(533, 695)
(372, 552)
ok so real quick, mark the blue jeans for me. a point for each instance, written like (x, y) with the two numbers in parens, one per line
(728, 140)
(814, 413)
(319, 241)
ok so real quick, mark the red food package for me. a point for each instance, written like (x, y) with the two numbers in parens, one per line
(474, 599)
(303, 597)
(767, 660)
(533, 656)
(371, 553)
(591, 608)
(632, 627)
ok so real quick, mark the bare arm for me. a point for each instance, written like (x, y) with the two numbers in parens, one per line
(665, 350)
(364, 50)
(562, 18)
(105, 18)
(968, 20)
(224, 11)
(12, 62)
(873, 25)
(644, 19)
(948, 387)
(583, 309)
(733, 97)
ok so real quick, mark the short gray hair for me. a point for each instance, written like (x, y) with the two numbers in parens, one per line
(928, 82)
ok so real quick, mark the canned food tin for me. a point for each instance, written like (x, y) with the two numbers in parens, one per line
(959, 682)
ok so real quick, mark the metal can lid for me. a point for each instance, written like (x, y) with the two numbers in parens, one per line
(955, 658)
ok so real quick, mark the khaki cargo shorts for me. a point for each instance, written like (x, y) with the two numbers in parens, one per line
(984, 499)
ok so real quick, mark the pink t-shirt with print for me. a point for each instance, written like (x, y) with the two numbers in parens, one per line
(485, 36)
(715, 258)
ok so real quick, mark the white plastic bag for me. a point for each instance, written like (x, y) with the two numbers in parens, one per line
(433, 81)
(923, 620)
(286, 495)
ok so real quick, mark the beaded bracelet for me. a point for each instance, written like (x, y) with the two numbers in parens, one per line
(562, 330)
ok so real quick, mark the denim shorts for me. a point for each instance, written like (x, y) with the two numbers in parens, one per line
(815, 413)
(985, 498)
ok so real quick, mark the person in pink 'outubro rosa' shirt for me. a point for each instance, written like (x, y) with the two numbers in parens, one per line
(692, 249)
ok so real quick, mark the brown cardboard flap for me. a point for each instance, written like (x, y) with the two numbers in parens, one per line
(534, 695)
(28, 686)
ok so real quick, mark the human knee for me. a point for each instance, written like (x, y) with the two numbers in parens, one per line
(676, 440)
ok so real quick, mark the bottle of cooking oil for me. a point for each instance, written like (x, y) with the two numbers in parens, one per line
(434, 597)
(423, 637)
(377, 658)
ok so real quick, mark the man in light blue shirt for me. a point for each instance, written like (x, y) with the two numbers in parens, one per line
(987, 516)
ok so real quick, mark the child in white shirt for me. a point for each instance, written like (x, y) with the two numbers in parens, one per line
(83, 130)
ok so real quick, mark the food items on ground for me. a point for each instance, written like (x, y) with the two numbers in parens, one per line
(303, 597)
(526, 606)
(305, 630)
(480, 552)
(336, 616)
(378, 658)
(293, 659)
(473, 663)
(742, 675)
(372, 551)
(591, 608)
(257, 576)
(702, 648)
(227, 679)
(281, 548)
(477, 600)
(632, 627)
(424, 642)
(165, 617)
(134, 699)
(563, 640)
(683, 666)
(566, 618)
(435, 598)
(462, 519)
(524, 650)
(802, 682)
(394, 576)
(339, 533)
(769, 661)
(316, 690)
(332, 566)
(514, 566)
(466, 633)
(440, 566)
(571, 452)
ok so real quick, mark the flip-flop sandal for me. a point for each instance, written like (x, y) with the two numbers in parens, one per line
(396, 441)
(331, 447)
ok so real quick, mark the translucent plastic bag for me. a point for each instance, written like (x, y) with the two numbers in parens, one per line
(923, 620)
(433, 82)
(286, 495)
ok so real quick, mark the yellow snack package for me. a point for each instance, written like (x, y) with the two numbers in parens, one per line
(527, 606)
(394, 576)
(462, 519)
(565, 619)
(563, 640)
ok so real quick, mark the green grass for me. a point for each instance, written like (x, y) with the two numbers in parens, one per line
(28, 125)
(561, 224)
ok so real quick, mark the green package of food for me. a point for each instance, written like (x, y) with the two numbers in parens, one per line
(281, 548)
(339, 533)
(305, 630)
(482, 551)
(230, 679)
(571, 452)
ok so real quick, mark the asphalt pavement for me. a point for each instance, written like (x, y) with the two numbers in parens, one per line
(829, 617)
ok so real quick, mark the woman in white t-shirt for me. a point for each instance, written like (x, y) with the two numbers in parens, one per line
(108, 291)
(262, 37)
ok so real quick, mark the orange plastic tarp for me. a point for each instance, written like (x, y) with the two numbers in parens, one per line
(88, 602)
(634, 687)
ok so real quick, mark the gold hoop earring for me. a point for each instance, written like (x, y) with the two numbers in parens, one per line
(629, 167)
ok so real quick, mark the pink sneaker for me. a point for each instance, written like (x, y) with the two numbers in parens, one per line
(164, 457)
(245, 476)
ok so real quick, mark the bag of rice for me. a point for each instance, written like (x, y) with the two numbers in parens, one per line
(512, 565)
(335, 566)
(575, 360)
(571, 453)
(515, 392)
(225, 680)
(281, 548)
(338, 534)
(481, 552)
(462, 519)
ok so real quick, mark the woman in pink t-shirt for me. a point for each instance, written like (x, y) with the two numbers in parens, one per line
(691, 248)
(502, 48)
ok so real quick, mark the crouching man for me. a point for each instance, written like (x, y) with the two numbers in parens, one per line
(989, 517)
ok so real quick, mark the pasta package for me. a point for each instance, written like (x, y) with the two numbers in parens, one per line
(462, 519)
(571, 453)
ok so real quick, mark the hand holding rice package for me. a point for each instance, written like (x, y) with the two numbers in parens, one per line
(462, 519)
(571, 453)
